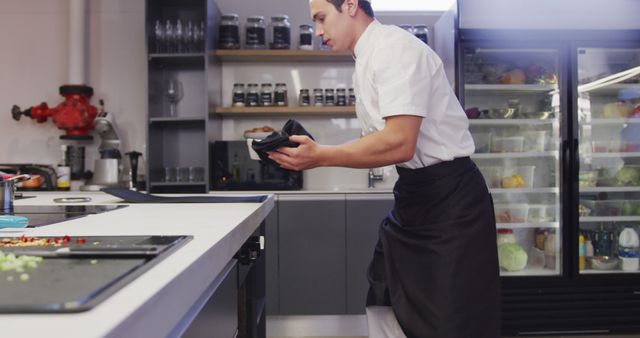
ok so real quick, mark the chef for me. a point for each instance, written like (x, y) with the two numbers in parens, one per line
(434, 271)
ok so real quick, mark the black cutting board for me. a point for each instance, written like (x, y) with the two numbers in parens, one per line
(63, 285)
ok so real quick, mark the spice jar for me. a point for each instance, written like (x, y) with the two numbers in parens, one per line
(421, 32)
(329, 97)
(352, 97)
(304, 99)
(238, 98)
(341, 97)
(266, 94)
(253, 96)
(229, 32)
(280, 32)
(318, 97)
(406, 27)
(280, 94)
(255, 33)
(306, 37)
(505, 236)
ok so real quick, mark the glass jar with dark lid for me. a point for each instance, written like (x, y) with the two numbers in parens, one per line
(329, 97)
(280, 32)
(407, 27)
(238, 99)
(304, 99)
(280, 94)
(341, 97)
(306, 37)
(255, 33)
(266, 94)
(318, 97)
(253, 95)
(229, 32)
(352, 97)
(422, 33)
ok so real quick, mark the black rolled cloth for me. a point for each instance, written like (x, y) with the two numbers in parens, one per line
(278, 140)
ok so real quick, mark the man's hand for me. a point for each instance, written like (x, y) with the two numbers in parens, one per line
(305, 156)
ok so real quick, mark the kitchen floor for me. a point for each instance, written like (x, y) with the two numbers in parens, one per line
(350, 326)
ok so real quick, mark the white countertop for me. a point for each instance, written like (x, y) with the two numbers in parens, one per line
(152, 304)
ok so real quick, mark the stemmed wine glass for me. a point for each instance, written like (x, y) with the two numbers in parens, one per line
(169, 36)
(179, 37)
(188, 37)
(159, 36)
(174, 94)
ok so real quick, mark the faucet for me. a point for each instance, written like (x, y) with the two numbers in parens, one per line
(373, 178)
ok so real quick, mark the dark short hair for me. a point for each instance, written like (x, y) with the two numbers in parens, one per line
(364, 5)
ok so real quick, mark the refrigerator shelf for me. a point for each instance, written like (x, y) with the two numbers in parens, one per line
(600, 272)
(531, 88)
(511, 122)
(610, 155)
(610, 189)
(531, 272)
(598, 219)
(610, 121)
(516, 155)
(549, 225)
(614, 89)
(526, 191)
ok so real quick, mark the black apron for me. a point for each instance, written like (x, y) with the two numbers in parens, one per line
(436, 261)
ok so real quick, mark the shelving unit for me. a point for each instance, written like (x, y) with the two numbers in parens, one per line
(177, 140)
(512, 122)
(552, 225)
(531, 88)
(348, 111)
(526, 191)
(531, 272)
(287, 55)
(532, 154)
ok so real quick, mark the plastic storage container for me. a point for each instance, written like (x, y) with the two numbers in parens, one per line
(541, 213)
(482, 142)
(535, 140)
(512, 144)
(517, 177)
(491, 176)
(511, 213)
(587, 178)
(607, 208)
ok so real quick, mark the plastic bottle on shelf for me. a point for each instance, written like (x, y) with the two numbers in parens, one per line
(628, 245)
(588, 248)
(581, 259)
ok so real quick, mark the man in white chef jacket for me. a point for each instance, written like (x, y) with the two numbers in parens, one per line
(435, 267)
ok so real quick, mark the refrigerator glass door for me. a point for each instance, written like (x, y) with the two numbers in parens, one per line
(609, 155)
(512, 99)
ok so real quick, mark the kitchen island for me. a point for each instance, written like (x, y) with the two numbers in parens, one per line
(163, 300)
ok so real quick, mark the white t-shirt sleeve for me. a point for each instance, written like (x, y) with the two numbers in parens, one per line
(402, 76)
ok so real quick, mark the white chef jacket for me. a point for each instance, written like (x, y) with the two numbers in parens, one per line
(398, 74)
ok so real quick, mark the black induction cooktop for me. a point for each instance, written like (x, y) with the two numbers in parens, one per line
(40, 215)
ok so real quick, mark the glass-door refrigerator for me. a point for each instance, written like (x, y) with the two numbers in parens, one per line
(514, 98)
(607, 99)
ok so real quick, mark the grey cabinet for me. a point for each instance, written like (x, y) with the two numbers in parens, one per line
(312, 249)
(363, 214)
(177, 135)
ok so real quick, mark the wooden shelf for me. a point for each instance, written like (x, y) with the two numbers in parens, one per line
(285, 55)
(348, 111)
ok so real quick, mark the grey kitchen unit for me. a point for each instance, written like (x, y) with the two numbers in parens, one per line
(319, 248)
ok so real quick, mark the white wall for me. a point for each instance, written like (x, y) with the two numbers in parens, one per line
(33, 64)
